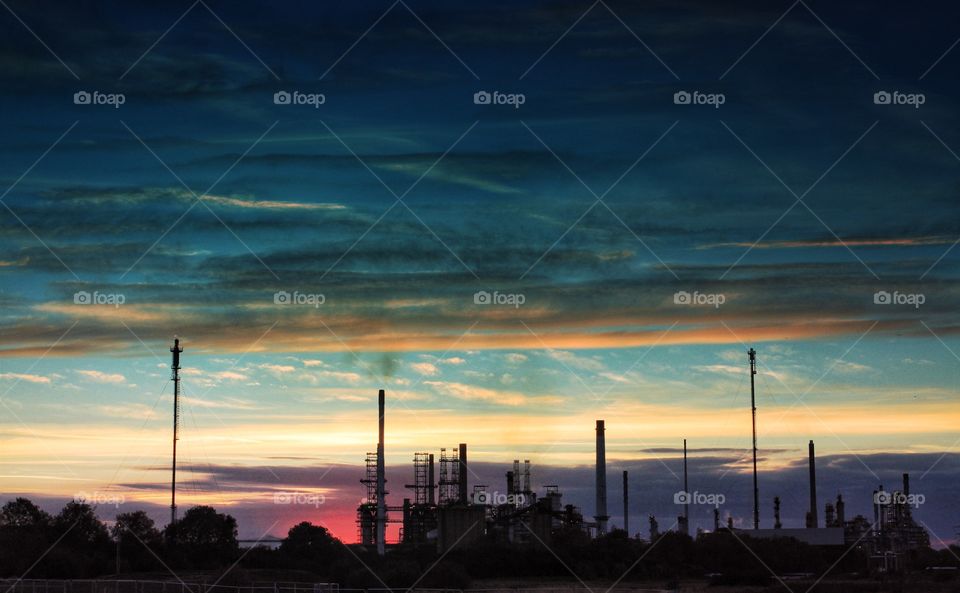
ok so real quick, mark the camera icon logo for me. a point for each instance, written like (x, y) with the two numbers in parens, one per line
(681, 297)
(481, 297)
(882, 98)
(882, 498)
(81, 298)
(281, 98)
(281, 297)
(681, 497)
(481, 497)
(881, 297)
(481, 98)
(681, 98)
(81, 98)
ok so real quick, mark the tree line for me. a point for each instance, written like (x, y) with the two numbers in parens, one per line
(75, 543)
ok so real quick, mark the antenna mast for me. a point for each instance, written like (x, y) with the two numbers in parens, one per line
(753, 410)
(175, 376)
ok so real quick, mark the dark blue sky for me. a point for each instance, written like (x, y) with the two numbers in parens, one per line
(799, 202)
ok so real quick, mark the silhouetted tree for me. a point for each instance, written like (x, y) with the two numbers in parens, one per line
(138, 541)
(24, 533)
(202, 538)
(310, 546)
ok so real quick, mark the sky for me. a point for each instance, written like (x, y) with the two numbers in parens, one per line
(649, 191)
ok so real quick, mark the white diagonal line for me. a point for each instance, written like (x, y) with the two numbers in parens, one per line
(642, 42)
(359, 39)
(552, 350)
(798, 199)
(943, 55)
(199, 198)
(837, 37)
(798, 399)
(37, 37)
(399, 198)
(437, 37)
(759, 39)
(565, 33)
(599, 198)
(237, 37)
(159, 39)
(17, 182)
(44, 555)
(950, 150)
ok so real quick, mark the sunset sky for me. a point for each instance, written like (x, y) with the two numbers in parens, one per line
(196, 206)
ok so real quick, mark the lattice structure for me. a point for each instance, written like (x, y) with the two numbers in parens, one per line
(449, 477)
(421, 485)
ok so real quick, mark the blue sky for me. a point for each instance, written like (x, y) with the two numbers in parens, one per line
(598, 200)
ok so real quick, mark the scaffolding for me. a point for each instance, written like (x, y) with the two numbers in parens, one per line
(449, 477)
(421, 480)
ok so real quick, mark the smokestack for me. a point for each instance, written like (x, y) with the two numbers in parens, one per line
(431, 499)
(686, 504)
(511, 487)
(463, 473)
(626, 505)
(601, 516)
(906, 484)
(716, 519)
(839, 507)
(776, 513)
(814, 521)
(381, 484)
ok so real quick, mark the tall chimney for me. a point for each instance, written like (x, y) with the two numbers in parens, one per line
(776, 513)
(511, 487)
(626, 505)
(752, 354)
(814, 522)
(906, 484)
(431, 499)
(841, 519)
(381, 484)
(463, 473)
(686, 504)
(601, 516)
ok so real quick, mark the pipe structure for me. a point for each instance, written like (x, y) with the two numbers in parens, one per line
(626, 504)
(431, 484)
(381, 483)
(686, 504)
(601, 517)
(814, 521)
(463, 474)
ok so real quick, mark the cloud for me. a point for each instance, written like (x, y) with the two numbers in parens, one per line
(101, 377)
(425, 368)
(26, 377)
(454, 360)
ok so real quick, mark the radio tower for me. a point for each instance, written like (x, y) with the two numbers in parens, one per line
(753, 410)
(175, 376)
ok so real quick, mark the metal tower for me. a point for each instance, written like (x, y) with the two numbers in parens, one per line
(753, 410)
(175, 376)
